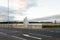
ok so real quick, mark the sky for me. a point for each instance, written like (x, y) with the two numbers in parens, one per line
(31, 8)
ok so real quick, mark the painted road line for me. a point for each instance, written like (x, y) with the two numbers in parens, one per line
(55, 31)
(51, 31)
(13, 31)
(3, 33)
(18, 37)
(26, 35)
(13, 36)
(40, 34)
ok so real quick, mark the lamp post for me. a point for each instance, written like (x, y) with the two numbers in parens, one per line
(8, 14)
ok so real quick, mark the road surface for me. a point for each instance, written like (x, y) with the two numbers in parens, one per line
(30, 34)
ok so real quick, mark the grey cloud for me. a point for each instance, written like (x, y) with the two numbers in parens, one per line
(32, 3)
(4, 15)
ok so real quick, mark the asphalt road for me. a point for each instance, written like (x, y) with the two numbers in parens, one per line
(30, 34)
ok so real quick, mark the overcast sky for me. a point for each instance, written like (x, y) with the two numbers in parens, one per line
(32, 8)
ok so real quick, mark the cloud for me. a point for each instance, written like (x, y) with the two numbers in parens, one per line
(4, 13)
(14, 12)
(17, 17)
(32, 3)
(4, 3)
(34, 9)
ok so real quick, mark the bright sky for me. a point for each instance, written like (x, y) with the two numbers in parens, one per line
(32, 8)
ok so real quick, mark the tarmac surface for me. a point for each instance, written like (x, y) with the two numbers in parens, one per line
(30, 34)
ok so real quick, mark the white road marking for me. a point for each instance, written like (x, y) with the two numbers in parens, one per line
(46, 35)
(14, 31)
(3, 33)
(40, 34)
(18, 37)
(51, 31)
(31, 36)
(57, 31)
(12, 36)
(9, 30)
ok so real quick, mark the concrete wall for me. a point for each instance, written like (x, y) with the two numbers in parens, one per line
(30, 26)
(35, 26)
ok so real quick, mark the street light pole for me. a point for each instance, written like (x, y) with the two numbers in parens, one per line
(8, 14)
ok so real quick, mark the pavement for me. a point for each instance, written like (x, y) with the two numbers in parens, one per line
(30, 34)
